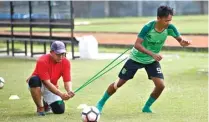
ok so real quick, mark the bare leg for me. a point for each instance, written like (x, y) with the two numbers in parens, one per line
(114, 86)
(159, 86)
(36, 95)
(110, 91)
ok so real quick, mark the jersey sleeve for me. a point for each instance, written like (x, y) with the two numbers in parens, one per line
(42, 70)
(172, 31)
(66, 75)
(144, 32)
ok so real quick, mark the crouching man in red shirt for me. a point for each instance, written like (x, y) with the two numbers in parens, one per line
(43, 82)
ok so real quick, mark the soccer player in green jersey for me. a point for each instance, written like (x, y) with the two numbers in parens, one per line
(145, 54)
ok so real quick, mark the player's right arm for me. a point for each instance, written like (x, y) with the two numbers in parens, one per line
(139, 47)
(42, 69)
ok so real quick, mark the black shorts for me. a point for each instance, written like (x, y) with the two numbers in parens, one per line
(129, 70)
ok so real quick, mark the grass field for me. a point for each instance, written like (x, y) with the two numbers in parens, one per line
(185, 98)
(185, 24)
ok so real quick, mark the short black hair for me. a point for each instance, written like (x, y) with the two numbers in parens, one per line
(164, 11)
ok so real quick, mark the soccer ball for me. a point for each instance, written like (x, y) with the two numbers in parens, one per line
(1, 82)
(90, 114)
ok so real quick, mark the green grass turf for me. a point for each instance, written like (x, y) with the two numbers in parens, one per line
(185, 98)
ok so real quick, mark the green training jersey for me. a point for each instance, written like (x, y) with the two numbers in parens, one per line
(153, 41)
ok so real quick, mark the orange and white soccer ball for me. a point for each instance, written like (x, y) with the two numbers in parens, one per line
(90, 114)
(1, 82)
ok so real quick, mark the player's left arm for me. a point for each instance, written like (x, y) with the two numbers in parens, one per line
(66, 74)
(183, 42)
(172, 31)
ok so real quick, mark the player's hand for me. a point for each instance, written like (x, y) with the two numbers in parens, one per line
(185, 43)
(65, 96)
(71, 94)
(28, 79)
(157, 57)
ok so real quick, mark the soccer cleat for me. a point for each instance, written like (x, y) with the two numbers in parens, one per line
(40, 111)
(47, 108)
(146, 110)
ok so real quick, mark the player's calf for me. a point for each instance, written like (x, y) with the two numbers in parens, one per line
(110, 91)
(114, 86)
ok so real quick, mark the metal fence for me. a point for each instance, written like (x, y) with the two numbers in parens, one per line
(88, 9)
(93, 9)
(30, 14)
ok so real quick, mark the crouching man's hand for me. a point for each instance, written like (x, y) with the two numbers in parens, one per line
(68, 88)
(65, 96)
(71, 94)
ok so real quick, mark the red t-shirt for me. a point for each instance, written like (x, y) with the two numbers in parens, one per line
(48, 69)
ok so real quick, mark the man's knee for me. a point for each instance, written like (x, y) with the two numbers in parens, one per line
(58, 107)
(118, 84)
(159, 83)
(34, 81)
(160, 86)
